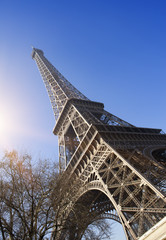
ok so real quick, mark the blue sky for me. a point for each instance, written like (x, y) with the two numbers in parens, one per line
(113, 51)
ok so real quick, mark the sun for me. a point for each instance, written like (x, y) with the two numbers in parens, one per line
(5, 127)
(3, 124)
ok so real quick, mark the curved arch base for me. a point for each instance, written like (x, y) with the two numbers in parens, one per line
(156, 232)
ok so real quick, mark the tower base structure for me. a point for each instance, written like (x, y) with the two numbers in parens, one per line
(158, 232)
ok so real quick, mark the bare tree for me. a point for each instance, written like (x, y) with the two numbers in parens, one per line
(34, 201)
(26, 210)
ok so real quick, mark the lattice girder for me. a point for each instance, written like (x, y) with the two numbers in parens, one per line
(134, 197)
(59, 89)
(94, 160)
(106, 154)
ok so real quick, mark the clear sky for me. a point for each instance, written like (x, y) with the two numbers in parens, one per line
(113, 51)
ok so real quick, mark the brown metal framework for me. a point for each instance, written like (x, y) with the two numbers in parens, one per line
(108, 155)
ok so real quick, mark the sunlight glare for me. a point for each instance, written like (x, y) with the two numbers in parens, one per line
(6, 126)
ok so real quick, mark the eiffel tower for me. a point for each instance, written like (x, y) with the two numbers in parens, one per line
(121, 168)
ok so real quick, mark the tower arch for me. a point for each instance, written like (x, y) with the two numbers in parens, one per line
(92, 204)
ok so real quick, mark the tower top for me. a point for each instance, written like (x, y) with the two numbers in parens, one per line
(36, 50)
(60, 90)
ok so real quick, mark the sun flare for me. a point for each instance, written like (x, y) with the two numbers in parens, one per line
(5, 127)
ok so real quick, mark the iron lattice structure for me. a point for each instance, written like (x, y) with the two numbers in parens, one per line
(121, 168)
